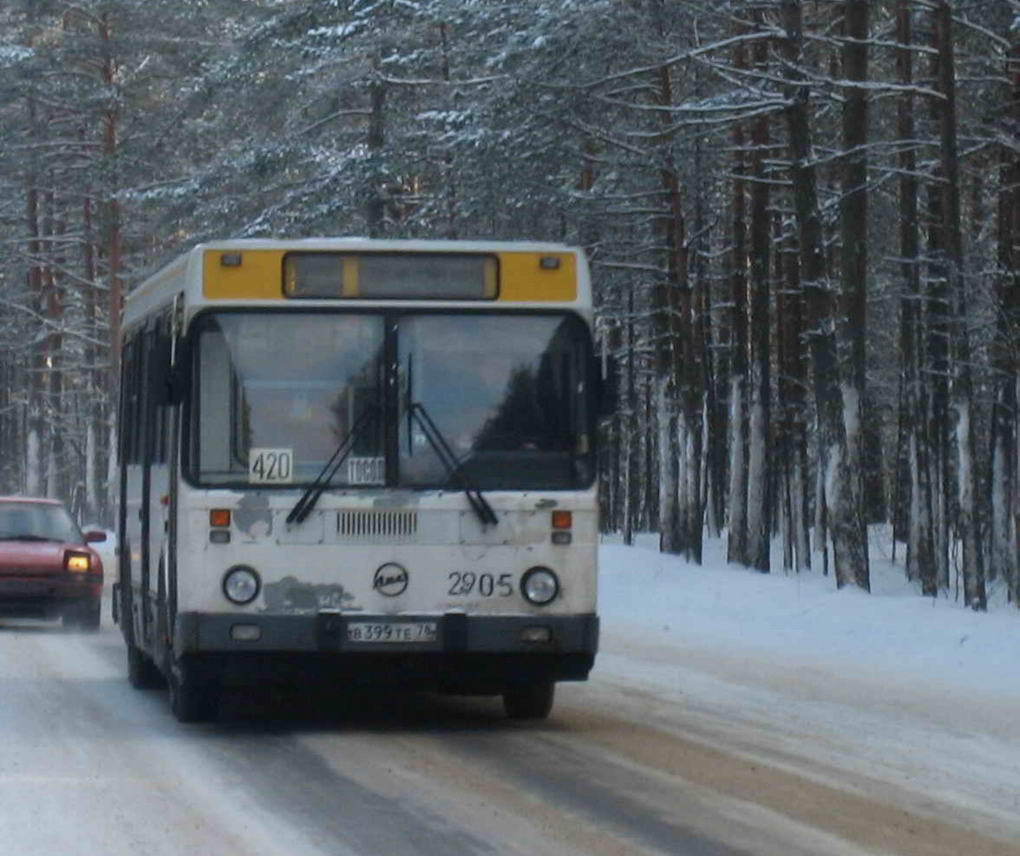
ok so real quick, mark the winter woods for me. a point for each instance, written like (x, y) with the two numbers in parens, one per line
(803, 217)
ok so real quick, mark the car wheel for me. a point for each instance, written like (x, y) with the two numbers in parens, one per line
(142, 672)
(192, 699)
(92, 615)
(83, 616)
(528, 701)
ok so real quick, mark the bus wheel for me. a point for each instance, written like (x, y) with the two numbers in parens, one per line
(142, 672)
(191, 698)
(528, 701)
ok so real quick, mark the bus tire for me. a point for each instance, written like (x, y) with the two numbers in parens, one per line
(529, 701)
(141, 671)
(191, 698)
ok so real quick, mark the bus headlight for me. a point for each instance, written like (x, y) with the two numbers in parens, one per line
(241, 584)
(540, 586)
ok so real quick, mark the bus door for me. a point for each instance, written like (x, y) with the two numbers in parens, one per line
(155, 505)
(131, 486)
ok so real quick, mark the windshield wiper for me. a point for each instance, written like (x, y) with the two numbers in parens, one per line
(306, 503)
(480, 505)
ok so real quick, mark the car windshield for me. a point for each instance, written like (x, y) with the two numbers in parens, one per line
(276, 394)
(37, 521)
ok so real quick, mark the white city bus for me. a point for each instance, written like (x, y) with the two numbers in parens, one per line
(354, 461)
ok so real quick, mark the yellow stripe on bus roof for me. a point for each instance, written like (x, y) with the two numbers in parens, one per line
(522, 278)
(258, 277)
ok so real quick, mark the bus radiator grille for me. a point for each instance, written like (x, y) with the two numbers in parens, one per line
(377, 526)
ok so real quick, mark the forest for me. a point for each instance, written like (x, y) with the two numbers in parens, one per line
(803, 220)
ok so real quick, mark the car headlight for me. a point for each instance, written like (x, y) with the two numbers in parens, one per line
(77, 562)
(241, 584)
(540, 586)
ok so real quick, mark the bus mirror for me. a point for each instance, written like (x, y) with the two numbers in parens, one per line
(607, 386)
(176, 385)
(175, 381)
(157, 360)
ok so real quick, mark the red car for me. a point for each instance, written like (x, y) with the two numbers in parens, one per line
(47, 568)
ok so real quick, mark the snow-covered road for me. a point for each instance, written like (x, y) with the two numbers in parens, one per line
(689, 739)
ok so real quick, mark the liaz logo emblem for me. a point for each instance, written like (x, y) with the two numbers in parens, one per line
(390, 580)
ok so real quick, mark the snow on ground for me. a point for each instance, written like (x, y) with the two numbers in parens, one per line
(801, 617)
(904, 698)
(912, 696)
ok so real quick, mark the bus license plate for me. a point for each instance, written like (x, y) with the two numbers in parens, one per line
(392, 631)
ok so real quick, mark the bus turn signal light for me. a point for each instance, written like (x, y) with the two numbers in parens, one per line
(219, 517)
(562, 520)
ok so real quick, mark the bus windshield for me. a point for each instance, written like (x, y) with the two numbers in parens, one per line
(275, 393)
(507, 393)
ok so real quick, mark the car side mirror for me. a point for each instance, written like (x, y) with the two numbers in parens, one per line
(95, 536)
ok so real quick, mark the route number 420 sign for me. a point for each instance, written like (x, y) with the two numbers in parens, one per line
(271, 466)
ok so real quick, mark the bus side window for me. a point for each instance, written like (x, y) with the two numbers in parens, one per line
(214, 389)
(145, 420)
(157, 398)
(124, 418)
(130, 396)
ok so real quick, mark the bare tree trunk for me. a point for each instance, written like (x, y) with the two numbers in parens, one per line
(920, 546)
(712, 490)
(666, 464)
(449, 172)
(7, 439)
(737, 543)
(630, 444)
(792, 401)
(937, 368)
(36, 416)
(375, 205)
(678, 367)
(56, 482)
(849, 548)
(94, 386)
(113, 240)
(854, 264)
(1005, 365)
(693, 509)
(962, 391)
(649, 509)
(759, 527)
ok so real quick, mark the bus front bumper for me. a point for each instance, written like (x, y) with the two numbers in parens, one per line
(448, 650)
